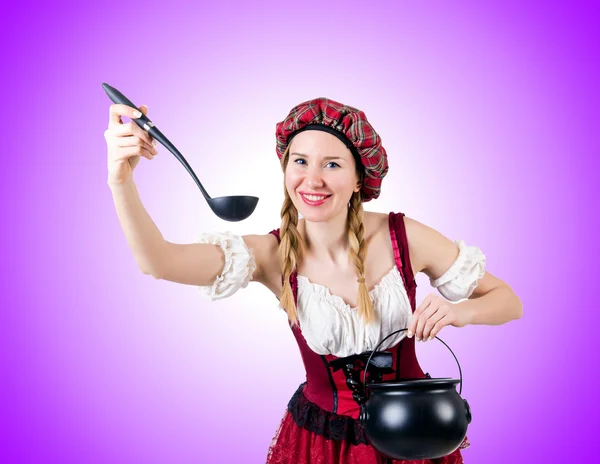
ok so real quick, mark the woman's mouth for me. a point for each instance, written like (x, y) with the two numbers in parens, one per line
(314, 200)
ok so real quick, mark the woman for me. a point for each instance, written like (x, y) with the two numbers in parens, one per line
(333, 162)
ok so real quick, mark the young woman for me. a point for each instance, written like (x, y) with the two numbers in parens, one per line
(341, 300)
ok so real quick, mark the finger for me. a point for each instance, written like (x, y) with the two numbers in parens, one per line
(131, 128)
(409, 327)
(429, 318)
(431, 322)
(117, 110)
(132, 141)
(424, 304)
(144, 109)
(412, 326)
(423, 320)
(443, 322)
(129, 152)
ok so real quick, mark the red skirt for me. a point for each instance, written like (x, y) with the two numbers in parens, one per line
(295, 445)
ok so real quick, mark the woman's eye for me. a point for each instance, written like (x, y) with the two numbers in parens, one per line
(301, 159)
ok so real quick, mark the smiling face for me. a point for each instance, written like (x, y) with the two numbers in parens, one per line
(320, 175)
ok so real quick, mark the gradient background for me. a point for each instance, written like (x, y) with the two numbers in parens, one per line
(489, 113)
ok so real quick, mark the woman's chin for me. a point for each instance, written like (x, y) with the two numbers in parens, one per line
(315, 217)
(316, 214)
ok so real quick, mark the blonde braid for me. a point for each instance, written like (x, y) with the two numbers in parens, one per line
(358, 252)
(291, 248)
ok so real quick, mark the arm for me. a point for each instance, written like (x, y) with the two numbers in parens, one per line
(499, 306)
(201, 263)
(144, 238)
(492, 302)
(192, 264)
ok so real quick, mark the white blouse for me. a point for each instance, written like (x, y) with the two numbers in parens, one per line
(329, 325)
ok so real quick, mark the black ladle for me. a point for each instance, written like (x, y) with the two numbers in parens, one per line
(232, 208)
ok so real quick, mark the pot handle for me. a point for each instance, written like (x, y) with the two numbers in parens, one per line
(401, 330)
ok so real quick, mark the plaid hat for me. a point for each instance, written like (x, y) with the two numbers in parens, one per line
(350, 126)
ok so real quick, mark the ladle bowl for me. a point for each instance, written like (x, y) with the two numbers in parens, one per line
(233, 208)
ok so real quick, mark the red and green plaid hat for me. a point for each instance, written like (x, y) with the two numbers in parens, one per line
(350, 126)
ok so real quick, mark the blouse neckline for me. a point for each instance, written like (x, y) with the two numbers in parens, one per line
(330, 296)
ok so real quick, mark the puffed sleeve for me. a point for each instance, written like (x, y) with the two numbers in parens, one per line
(460, 280)
(239, 264)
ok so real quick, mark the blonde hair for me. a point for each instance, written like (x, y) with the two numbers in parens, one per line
(292, 249)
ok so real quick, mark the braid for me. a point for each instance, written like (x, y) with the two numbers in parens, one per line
(291, 248)
(358, 252)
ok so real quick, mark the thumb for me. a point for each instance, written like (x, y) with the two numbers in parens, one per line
(144, 109)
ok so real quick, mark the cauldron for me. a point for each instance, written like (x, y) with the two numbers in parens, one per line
(414, 418)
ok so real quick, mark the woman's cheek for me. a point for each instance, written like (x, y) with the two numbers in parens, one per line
(293, 179)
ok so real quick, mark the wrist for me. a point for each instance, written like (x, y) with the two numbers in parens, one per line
(464, 313)
(116, 184)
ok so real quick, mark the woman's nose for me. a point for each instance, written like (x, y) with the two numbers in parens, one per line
(314, 179)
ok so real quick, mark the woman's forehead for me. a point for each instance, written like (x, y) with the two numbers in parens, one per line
(319, 144)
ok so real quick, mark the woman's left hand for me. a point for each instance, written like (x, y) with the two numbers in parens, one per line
(432, 315)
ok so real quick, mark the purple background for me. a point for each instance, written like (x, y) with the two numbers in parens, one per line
(489, 113)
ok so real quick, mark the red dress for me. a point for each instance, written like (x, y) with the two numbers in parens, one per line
(320, 425)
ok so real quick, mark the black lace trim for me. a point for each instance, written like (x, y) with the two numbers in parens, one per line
(332, 426)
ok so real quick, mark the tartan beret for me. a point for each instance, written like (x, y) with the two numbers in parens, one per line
(348, 124)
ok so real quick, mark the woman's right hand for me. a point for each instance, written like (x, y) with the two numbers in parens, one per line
(126, 143)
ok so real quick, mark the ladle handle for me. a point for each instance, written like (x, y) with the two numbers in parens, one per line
(147, 125)
(394, 333)
(118, 97)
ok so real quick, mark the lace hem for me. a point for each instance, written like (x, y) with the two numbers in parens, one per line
(239, 267)
(332, 426)
(461, 279)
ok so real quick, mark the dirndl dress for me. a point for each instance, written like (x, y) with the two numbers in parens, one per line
(321, 423)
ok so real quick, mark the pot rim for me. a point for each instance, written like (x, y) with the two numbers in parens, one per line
(413, 383)
(400, 385)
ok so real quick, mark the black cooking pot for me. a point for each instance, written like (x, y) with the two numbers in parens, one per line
(415, 418)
